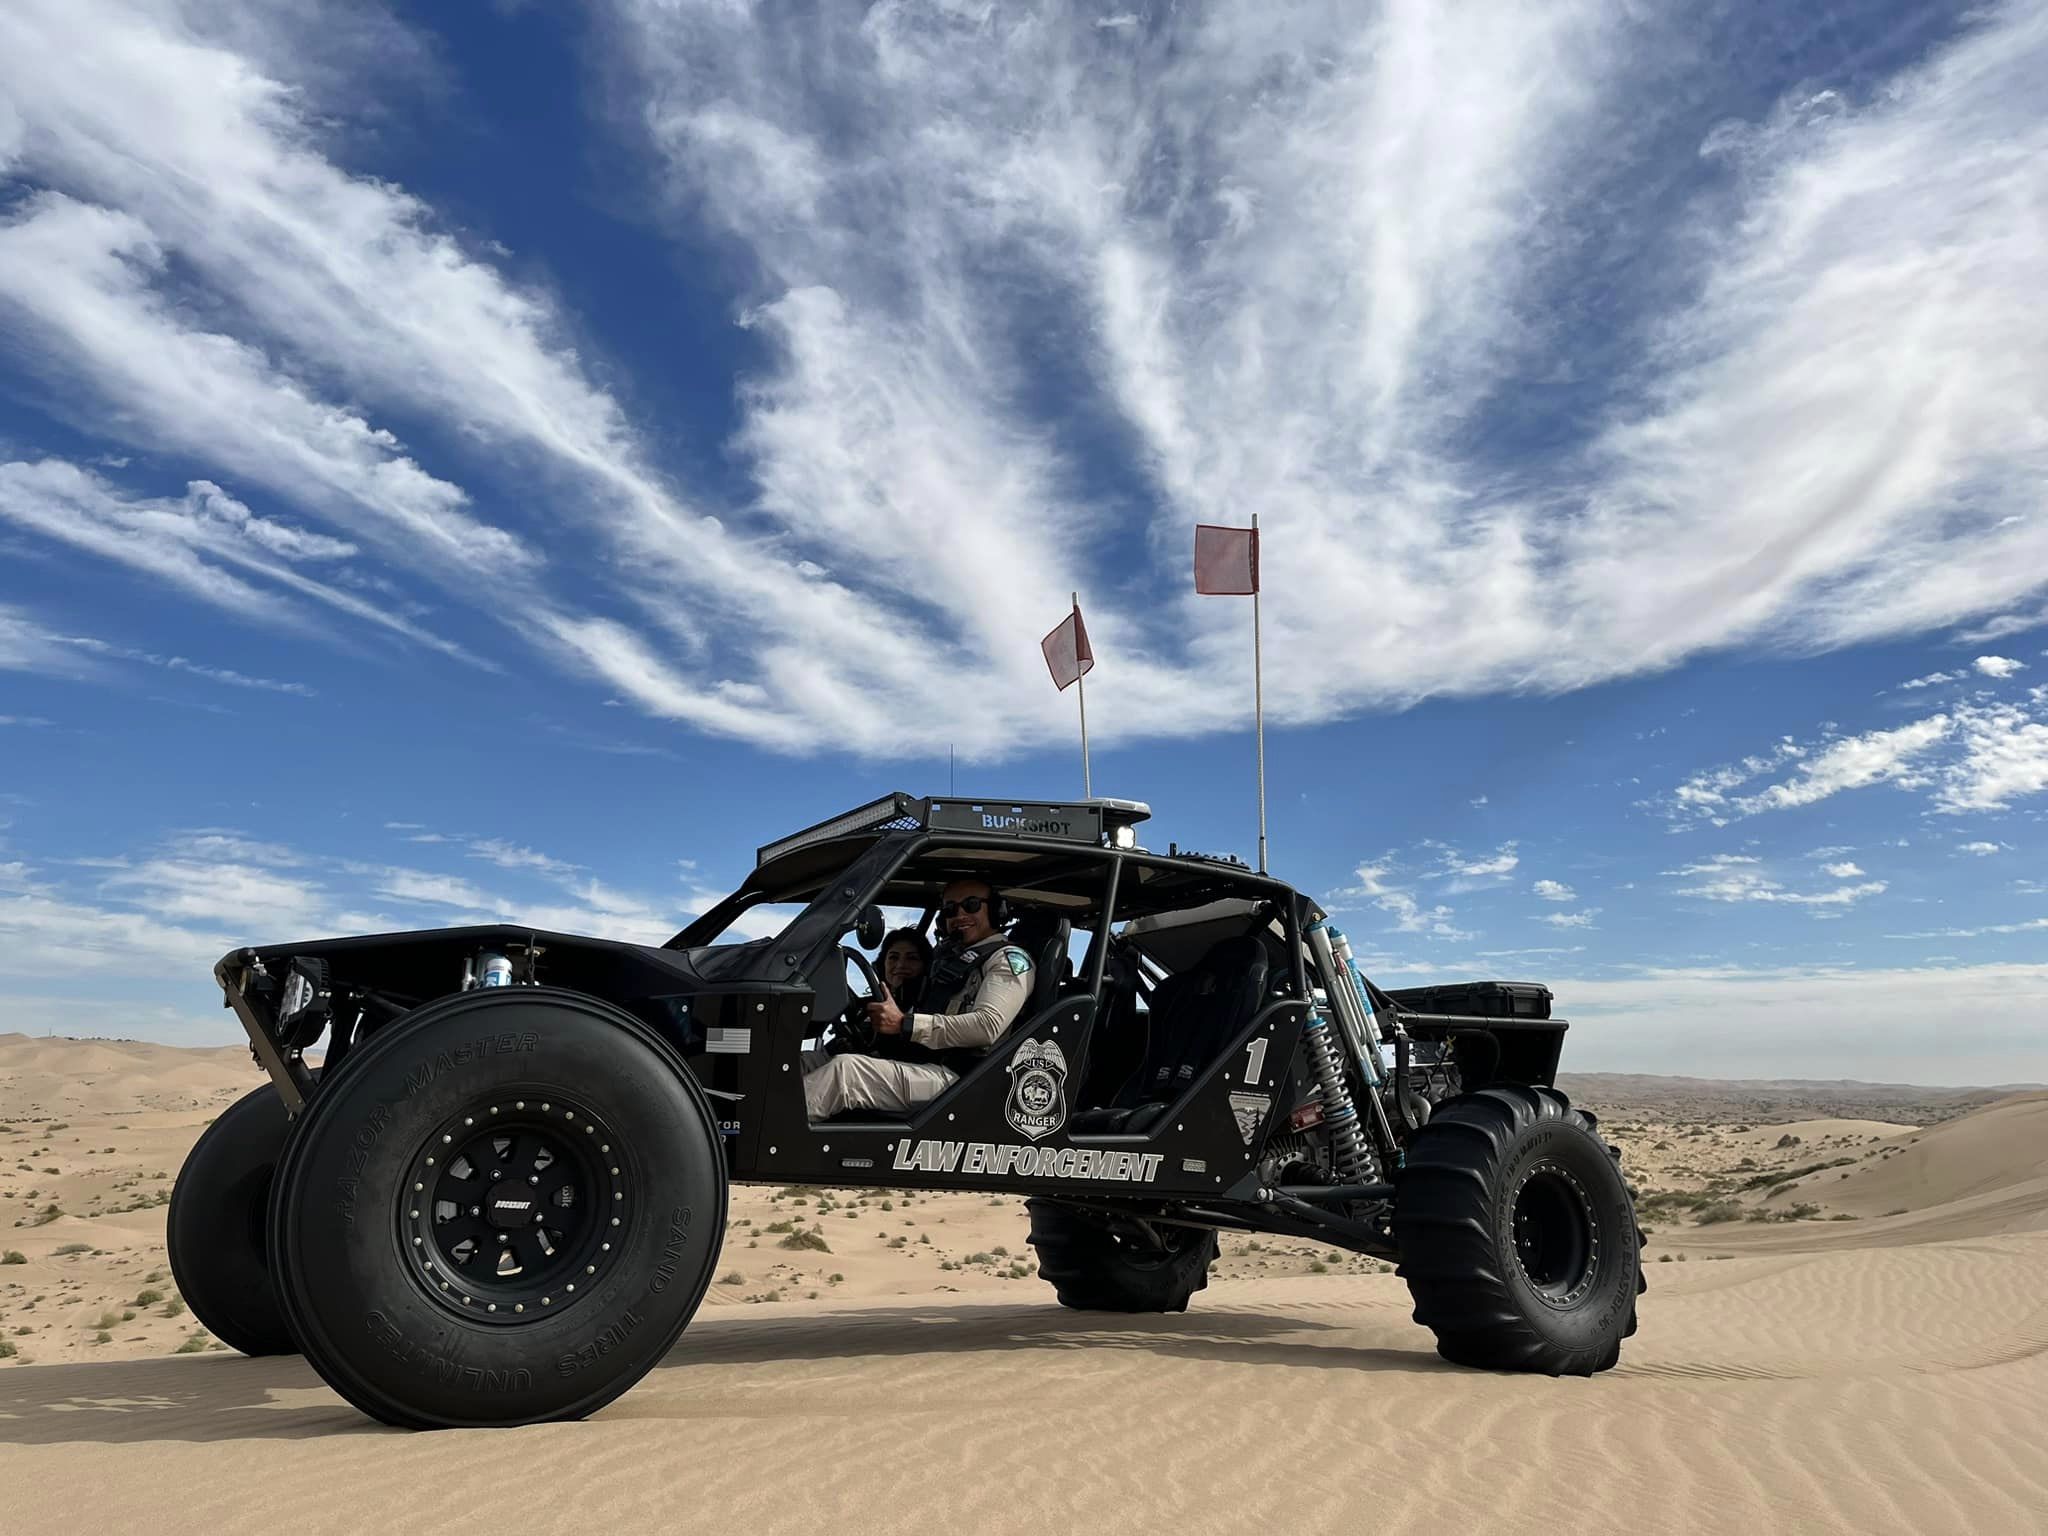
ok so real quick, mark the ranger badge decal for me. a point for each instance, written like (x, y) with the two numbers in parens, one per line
(1038, 1088)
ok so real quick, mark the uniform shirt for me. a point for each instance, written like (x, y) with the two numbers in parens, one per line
(986, 1004)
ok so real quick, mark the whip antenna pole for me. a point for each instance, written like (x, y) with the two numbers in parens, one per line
(1259, 703)
(1081, 692)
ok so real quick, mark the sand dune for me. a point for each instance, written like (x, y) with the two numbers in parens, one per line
(1877, 1374)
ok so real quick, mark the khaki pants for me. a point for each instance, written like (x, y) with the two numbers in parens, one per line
(833, 1083)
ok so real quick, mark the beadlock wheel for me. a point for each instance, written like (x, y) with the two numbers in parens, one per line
(517, 1207)
(1557, 1243)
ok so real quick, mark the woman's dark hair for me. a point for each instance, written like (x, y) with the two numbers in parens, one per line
(909, 936)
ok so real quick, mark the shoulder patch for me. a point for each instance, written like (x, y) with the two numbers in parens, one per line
(1019, 962)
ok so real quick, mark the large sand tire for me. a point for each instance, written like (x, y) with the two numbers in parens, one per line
(215, 1226)
(1518, 1234)
(1092, 1269)
(504, 1211)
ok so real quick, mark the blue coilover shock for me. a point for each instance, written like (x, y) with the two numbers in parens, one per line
(1352, 1159)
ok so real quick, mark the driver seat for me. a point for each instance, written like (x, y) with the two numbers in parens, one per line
(1044, 938)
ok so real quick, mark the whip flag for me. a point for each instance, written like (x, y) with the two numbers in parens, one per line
(1226, 560)
(1069, 658)
(1227, 565)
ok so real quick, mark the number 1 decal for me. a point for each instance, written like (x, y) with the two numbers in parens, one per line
(1255, 1059)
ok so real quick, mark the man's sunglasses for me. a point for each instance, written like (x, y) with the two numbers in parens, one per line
(968, 904)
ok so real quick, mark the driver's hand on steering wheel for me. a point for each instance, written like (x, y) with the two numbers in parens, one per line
(884, 1015)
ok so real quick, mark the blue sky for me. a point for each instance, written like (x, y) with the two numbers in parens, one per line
(509, 461)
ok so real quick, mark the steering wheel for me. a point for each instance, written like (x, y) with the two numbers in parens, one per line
(852, 1028)
(866, 968)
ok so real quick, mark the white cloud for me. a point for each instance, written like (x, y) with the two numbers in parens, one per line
(1931, 680)
(1851, 763)
(2001, 626)
(1739, 878)
(2032, 925)
(1554, 890)
(1973, 757)
(1998, 666)
(1846, 870)
(199, 542)
(1570, 919)
(511, 856)
(1501, 863)
(1409, 915)
(2005, 757)
(1979, 848)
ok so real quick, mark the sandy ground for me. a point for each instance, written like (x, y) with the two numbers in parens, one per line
(1847, 1330)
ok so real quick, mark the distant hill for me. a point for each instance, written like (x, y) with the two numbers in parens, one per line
(1767, 1100)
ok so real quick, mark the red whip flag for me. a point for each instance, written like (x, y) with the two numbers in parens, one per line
(1067, 655)
(1226, 560)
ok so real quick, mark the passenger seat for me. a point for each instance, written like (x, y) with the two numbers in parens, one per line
(1194, 1015)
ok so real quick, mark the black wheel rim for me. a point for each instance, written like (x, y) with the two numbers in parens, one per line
(1556, 1239)
(514, 1208)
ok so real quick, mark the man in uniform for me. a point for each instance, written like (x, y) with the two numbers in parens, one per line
(980, 982)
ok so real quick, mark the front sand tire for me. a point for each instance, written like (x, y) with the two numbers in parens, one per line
(504, 1212)
(1518, 1234)
(215, 1226)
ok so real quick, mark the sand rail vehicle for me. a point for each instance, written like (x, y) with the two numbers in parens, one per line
(497, 1194)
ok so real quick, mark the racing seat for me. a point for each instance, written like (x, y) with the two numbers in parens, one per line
(1044, 938)
(1195, 1013)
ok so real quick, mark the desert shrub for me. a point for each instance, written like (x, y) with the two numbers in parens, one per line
(47, 1214)
(979, 1258)
(173, 1307)
(13, 1256)
(836, 1277)
(69, 1249)
(812, 1239)
(1717, 1211)
(732, 1277)
(103, 1337)
(108, 1319)
(1899, 1211)
(191, 1346)
(7, 1349)
(1000, 1253)
(780, 1226)
(1787, 1175)
(1788, 1140)
(148, 1298)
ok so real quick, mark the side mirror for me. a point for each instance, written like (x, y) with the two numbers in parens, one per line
(871, 928)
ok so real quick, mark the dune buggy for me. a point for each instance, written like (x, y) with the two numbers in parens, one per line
(499, 1196)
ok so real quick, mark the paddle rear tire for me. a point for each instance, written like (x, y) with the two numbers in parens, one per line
(1518, 1234)
(1094, 1267)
